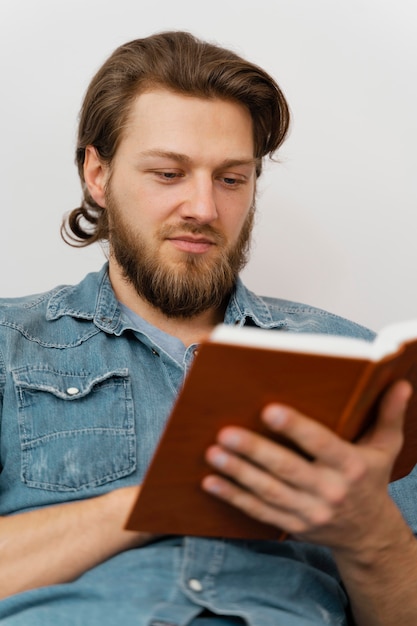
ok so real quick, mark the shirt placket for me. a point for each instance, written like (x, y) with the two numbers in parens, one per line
(201, 566)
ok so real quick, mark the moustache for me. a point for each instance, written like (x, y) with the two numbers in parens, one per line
(204, 230)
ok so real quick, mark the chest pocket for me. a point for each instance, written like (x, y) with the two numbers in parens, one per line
(77, 431)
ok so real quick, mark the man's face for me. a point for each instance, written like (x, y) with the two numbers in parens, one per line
(180, 200)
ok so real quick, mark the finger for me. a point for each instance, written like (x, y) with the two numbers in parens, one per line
(275, 459)
(316, 440)
(293, 522)
(252, 477)
(281, 477)
(242, 500)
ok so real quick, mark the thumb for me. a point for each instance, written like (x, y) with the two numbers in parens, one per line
(387, 434)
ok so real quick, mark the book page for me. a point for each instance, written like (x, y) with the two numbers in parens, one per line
(312, 343)
(387, 342)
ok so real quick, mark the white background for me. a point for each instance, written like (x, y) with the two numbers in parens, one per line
(336, 217)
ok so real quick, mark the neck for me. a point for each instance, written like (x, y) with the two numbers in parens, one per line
(188, 330)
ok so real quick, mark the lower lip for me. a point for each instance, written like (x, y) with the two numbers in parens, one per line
(196, 247)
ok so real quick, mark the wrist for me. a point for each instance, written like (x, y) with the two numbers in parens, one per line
(377, 544)
(119, 504)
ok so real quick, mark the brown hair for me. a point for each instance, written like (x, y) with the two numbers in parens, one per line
(184, 64)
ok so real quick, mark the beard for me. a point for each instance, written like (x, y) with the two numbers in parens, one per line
(186, 287)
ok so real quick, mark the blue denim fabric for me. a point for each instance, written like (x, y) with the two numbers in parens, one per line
(85, 397)
(403, 492)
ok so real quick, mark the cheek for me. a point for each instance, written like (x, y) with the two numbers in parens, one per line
(237, 219)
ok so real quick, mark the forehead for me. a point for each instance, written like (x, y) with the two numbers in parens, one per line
(162, 119)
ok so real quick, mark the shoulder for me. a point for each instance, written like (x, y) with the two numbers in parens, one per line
(281, 314)
(60, 317)
(13, 309)
(77, 300)
(300, 317)
(26, 319)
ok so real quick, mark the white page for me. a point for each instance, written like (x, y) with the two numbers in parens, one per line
(387, 341)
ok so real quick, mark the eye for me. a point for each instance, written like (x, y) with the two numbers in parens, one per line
(168, 177)
(232, 181)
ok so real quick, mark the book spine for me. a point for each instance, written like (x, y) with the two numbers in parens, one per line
(374, 380)
(351, 422)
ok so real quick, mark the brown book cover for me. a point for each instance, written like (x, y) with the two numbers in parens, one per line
(336, 380)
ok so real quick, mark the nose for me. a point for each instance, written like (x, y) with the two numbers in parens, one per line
(200, 204)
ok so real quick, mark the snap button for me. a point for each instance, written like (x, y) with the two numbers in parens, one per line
(195, 584)
(72, 391)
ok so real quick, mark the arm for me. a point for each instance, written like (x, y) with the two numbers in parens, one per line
(59, 543)
(338, 499)
(381, 577)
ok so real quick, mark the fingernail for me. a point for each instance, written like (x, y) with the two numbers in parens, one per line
(231, 439)
(210, 484)
(275, 416)
(218, 459)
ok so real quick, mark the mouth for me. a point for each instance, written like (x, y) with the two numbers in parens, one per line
(188, 243)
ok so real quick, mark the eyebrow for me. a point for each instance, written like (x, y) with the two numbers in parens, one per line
(184, 158)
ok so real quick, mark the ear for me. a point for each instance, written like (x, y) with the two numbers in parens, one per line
(95, 175)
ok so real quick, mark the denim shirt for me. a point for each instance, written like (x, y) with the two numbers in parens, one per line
(84, 398)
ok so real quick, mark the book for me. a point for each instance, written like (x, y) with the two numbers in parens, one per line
(236, 372)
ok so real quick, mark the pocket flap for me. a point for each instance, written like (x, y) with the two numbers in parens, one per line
(64, 385)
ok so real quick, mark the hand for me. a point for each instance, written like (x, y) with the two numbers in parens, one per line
(332, 499)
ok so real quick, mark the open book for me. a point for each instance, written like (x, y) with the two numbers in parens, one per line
(336, 380)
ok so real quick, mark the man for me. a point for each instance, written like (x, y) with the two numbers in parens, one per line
(171, 140)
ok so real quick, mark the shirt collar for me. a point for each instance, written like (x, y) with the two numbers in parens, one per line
(94, 299)
(246, 307)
